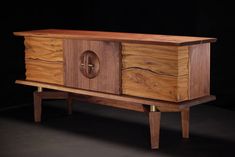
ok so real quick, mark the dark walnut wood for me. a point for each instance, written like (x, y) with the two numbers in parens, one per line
(110, 102)
(185, 122)
(154, 124)
(199, 70)
(92, 65)
(37, 107)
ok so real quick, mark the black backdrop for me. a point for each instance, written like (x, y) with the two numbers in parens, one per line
(199, 18)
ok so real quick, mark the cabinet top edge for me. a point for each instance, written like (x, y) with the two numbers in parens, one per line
(117, 36)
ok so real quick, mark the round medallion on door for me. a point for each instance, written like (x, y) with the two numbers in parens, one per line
(90, 64)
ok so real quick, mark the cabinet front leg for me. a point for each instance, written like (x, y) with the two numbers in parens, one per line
(69, 104)
(37, 107)
(154, 123)
(185, 122)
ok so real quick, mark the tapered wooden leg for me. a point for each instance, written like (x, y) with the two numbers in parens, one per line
(37, 107)
(69, 105)
(154, 123)
(185, 122)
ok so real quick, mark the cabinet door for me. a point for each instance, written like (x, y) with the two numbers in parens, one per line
(155, 71)
(44, 60)
(92, 65)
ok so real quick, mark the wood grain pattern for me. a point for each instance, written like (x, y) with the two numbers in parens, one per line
(153, 71)
(154, 124)
(108, 79)
(46, 49)
(119, 37)
(111, 103)
(44, 60)
(199, 67)
(44, 71)
(158, 59)
(145, 84)
(173, 105)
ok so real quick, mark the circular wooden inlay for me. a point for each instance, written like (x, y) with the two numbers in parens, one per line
(90, 64)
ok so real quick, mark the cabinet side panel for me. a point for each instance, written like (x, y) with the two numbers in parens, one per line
(199, 68)
(183, 73)
(154, 71)
(44, 60)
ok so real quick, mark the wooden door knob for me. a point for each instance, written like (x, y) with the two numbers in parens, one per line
(90, 64)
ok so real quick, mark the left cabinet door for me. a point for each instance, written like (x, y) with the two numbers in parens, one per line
(44, 60)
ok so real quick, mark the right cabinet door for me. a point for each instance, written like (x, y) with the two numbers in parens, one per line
(92, 65)
(155, 71)
(172, 73)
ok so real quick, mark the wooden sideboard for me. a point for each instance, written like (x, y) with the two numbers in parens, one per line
(140, 72)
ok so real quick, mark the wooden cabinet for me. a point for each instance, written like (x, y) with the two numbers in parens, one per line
(157, 71)
(142, 72)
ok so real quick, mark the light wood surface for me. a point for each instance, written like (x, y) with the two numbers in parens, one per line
(154, 124)
(162, 60)
(43, 71)
(108, 79)
(115, 36)
(173, 105)
(153, 71)
(199, 67)
(44, 60)
(46, 49)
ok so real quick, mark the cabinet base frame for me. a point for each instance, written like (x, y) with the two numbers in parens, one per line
(152, 107)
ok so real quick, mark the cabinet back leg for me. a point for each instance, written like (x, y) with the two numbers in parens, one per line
(154, 124)
(69, 104)
(37, 107)
(185, 122)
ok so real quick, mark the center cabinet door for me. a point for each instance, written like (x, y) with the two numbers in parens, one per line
(93, 65)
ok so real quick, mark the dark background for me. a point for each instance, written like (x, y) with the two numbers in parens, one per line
(199, 18)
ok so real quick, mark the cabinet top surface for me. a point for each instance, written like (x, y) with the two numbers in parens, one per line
(117, 36)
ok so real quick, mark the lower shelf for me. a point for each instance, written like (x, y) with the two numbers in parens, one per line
(157, 103)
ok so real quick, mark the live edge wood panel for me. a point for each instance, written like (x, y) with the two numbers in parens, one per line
(172, 73)
(44, 60)
(155, 71)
